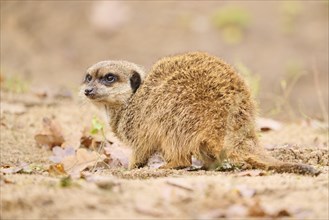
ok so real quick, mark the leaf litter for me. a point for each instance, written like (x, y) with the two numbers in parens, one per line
(73, 157)
(21, 168)
(51, 134)
(72, 162)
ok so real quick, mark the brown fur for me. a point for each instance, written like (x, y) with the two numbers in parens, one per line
(189, 104)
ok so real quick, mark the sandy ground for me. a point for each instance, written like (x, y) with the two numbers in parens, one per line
(51, 43)
(151, 193)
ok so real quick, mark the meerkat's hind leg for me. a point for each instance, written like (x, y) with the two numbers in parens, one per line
(212, 154)
(176, 162)
(208, 160)
(140, 156)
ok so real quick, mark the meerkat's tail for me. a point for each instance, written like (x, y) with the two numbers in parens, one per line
(266, 162)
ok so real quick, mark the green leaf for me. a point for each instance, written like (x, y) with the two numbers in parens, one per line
(96, 126)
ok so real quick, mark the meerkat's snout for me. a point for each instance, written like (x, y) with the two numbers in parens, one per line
(89, 92)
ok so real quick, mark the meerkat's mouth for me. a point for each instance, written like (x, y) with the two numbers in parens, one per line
(95, 97)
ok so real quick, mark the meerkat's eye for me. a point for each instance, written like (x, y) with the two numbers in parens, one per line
(88, 78)
(110, 78)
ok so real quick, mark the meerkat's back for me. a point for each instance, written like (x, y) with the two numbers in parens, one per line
(190, 105)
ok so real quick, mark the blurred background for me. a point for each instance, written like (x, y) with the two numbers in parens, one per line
(281, 47)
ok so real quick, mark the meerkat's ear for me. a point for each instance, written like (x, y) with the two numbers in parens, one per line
(135, 81)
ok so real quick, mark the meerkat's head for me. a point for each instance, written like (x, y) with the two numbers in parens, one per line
(111, 82)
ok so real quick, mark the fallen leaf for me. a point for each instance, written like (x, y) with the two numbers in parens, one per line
(12, 108)
(60, 153)
(96, 126)
(267, 124)
(72, 140)
(83, 158)
(51, 134)
(86, 139)
(57, 170)
(21, 168)
(117, 154)
(9, 169)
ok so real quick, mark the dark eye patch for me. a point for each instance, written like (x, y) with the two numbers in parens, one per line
(88, 78)
(108, 79)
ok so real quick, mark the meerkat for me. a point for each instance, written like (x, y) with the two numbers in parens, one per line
(192, 104)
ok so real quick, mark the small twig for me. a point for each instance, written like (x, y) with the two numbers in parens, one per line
(287, 94)
(100, 150)
(180, 185)
(319, 93)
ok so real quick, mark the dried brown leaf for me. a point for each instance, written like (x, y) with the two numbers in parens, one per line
(73, 140)
(21, 168)
(51, 134)
(57, 170)
(86, 139)
(118, 155)
(60, 153)
(10, 170)
(83, 158)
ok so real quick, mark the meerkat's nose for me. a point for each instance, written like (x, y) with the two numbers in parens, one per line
(89, 91)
